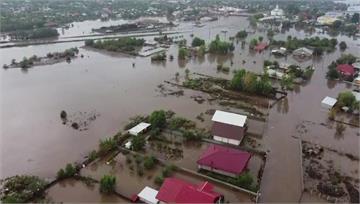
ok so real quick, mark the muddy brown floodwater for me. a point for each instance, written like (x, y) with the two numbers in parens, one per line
(34, 140)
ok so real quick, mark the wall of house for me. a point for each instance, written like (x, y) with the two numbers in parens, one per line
(226, 140)
(217, 171)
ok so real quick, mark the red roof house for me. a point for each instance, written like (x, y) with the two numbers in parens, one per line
(224, 160)
(261, 46)
(346, 70)
(174, 190)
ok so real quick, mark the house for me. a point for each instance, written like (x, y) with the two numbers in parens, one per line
(303, 52)
(174, 190)
(277, 11)
(261, 46)
(148, 195)
(139, 128)
(346, 70)
(328, 102)
(228, 127)
(224, 160)
(280, 51)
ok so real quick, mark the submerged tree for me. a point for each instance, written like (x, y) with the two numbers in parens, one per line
(107, 184)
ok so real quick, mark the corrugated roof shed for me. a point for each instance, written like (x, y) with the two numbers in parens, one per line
(229, 118)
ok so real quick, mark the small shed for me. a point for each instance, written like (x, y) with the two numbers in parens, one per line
(328, 102)
(148, 195)
(139, 128)
(303, 52)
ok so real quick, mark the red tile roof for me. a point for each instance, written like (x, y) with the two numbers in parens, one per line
(228, 131)
(225, 159)
(346, 69)
(174, 190)
(261, 46)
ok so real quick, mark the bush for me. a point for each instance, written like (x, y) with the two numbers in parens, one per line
(197, 42)
(21, 189)
(241, 34)
(69, 171)
(138, 142)
(346, 99)
(183, 53)
(159, 180)
(343, 45)
(158, 119)
(106, 146)
(92, 155)
(220, 47)
(245, 180)
(107, 184)
(149, 162)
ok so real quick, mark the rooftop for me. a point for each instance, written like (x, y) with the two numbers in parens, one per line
(225, 159)
(329, 101)
(346, 69)
(174, 190)
(229, 118)
(139, 128)
(148, 195)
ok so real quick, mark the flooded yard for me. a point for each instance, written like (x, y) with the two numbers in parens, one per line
(71, 190)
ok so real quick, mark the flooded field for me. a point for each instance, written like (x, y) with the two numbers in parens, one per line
(71, 190)
(40, 144)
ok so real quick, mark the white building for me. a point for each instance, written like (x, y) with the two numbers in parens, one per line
(277, 11)
(148, 195)
(328, 102)
(139, 128)
(228, 127)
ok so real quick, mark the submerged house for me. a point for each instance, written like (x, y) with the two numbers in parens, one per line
(303, 52)
(174, 190)
(229, 127)
(139, 128)
(346, 70)
(224, 160)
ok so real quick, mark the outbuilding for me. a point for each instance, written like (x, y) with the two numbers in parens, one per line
(139, 128)
(328, 102)
(148, 195)
(228, 127)
(303, 52)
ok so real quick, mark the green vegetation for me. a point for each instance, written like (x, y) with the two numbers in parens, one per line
(249, 82)
(176, 123)
(191, 136)
(220, 47)
(34, 34)
(158, 119)
(253, 43)
(319, 45)
(149, 162)
(159, 57)
(222, 68)
(69, 171)
(297, 72)
(183, 53)
(287, 82)
(21, 189)
(342, 45)
(197, 42)
(166, 172)
(138, 142)
(92, 156)
(347, 99)
(340, 128)
(245, 180)
(125, 44)
(242, 34)
(107, 145)
(107, 184)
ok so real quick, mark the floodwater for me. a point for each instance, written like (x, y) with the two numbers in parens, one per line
(71, 190)
(34, 141)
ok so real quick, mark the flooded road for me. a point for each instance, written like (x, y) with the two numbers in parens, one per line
(34, 141)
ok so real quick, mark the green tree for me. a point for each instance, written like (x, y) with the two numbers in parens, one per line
(149, 162)
(158, 119)
(346, 99)
(107, 184)
(253, 43)
(241, 34)
(355, 18)
(138, 142)
(183, 53)
(245, 180)
(197, 42)
(261, 38)
(343, 45)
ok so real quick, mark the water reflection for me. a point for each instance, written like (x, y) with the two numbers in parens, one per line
(283, 106)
